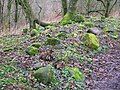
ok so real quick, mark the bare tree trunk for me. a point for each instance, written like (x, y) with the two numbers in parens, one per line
(64, 6)
(28, 11)
(69, 17)
(72, 6)
(0, 10)
(107, 9)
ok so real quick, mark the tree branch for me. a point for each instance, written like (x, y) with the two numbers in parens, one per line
(113, 6)
(98, 11)
(102, 3)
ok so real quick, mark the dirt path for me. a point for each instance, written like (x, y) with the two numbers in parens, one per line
(106, 72)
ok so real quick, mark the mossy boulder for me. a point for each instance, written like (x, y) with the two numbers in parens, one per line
(71, 18)
(81, 25)
(90, 40)
(37, 45)
(79, 18)
(106, 29)
(44, 75)
(102, 17)
(80, 31)
(8, 49)
(1, 40)
(89, 24)
(40, 29)
(31, 50)
(62, 34)
(67, 19)
(34, 32)
(76, 73)
(52, 41)
(48, 35)
(24, 31)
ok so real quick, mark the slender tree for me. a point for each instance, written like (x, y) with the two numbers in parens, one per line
(64, 6)
(108, 5)
(70, 13)
(72, 6)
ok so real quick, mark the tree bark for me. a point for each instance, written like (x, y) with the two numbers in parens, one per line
(72, 6)
(28, 11)
(64, 6)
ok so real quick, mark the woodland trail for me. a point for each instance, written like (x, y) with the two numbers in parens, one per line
(106, 72)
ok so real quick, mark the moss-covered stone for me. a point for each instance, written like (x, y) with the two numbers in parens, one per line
(90, 41)
(80, 31)
(102, 17)
(24, 31)
(76, 44)
(8, 49)
(76, 73)
(71, 18)
(89, 24)
(37, 45)
(1, 40)
(61, 34)
(106, 29)
(48, 35)
(81, 25)
(34, 32)
(68, 19)
(79, 18)
(52, 41)
(44, 75)
(40, 29)
(31, 50)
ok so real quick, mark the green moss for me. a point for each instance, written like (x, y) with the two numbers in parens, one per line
(34, 32)
(24, 31)
(8, 49)
(48, 35)
(80, 31)
(81, 25)
(89, 24)
(90, 41)
(52, 41)
(37, 45)
(44, 75)
(106, 29)
(71, 18)
(79, 18)
(1, 40)
(76, 44)
(68, 19)
(61, 34)
(40, 29)
(76, 73)
(102, 17)
(31, 50)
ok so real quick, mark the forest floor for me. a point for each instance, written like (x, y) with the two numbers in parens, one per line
(101, 67)
(106, 73)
